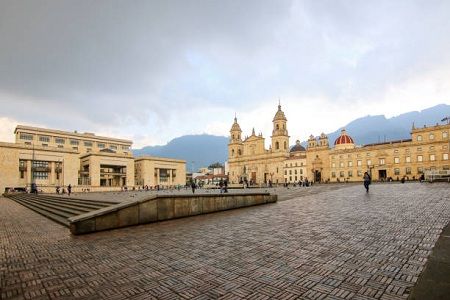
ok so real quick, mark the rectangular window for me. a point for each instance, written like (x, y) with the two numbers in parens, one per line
(369, 162)
(60, 146)
(341, 164)
(26, 136)
(290, 172)
(396, 160)
(382, 161)
(87, 144)
(126, 148)
(419, 170)
(444, 134)
(341, 174)
(60, 141)
(359, 163)
(408, 159)
(445, 156)
(74, 142)
(333, 174)
(359, 173)
(431, 136)
(45, 139)
(350, 164)
(333, 165)
(419, 149)
(396, 171)
(113, 147)
(295, 172)
(368, 154)
(432, 157)
(285, 172)
(350, 173)
(419, 158)
(100, 145)
(40, 175)
(408, 171)
(301, 171)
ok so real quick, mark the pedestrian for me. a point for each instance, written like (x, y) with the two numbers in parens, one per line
(69, 190)
(193, 187)
(57, 190)
(225, 186)
(221, 186)
(367, 181)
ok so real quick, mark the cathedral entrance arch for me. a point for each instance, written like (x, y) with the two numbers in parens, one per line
(317, 176)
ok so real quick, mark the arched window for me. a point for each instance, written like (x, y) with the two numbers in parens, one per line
(239, 152)
(232, 152)
(278, 126)
(233, 136)
(284, 126)
(277, 146)
(285, 145)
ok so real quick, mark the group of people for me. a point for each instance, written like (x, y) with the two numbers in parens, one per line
(63, 191)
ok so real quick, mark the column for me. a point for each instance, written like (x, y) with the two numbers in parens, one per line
(52, 173)
(157, 176)
(29, 172)
(170, 177)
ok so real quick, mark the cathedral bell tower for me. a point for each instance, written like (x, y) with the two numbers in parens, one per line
(280, 137)
(235, 146)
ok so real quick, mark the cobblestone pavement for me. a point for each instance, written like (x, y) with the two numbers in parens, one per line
(338, 244)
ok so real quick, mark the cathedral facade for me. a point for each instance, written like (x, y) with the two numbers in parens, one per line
(249, 160)
(427, 149)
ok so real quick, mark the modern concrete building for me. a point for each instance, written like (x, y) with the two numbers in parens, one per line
(160, 171)
(51, 158)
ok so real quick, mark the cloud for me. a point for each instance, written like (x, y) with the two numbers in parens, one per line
(154, 70)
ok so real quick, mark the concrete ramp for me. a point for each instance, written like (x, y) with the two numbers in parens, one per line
(160, 208)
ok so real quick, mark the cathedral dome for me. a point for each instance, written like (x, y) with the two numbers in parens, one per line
(297, 147)
(279, 115)
(344, 138)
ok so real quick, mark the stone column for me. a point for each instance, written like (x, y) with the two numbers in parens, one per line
(52, 173)
(29, 172)
(170, 177)
(157, 176)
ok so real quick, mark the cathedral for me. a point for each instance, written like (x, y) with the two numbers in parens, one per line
(345, 161)
(250, 161)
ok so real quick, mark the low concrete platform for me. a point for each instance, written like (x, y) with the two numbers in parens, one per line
(161, 208)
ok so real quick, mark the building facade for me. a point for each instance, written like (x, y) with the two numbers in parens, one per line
(427, 149)
(249, 161)
(54, 158)
(152, 171)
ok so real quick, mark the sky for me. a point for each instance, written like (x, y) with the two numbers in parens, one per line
(151, 71)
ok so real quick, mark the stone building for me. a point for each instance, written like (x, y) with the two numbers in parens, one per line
(250, 161)
(427, 149)
(161, 171)
(51, 158)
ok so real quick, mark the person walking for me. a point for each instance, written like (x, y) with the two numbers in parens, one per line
(367, 181)
(69, 190)
(193, 187)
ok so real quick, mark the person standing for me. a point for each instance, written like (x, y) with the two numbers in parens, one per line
(367, 181)
(69, 190)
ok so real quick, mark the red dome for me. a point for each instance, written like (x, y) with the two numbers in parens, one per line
(343, 139)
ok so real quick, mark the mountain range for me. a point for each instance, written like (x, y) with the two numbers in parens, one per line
(203, 150)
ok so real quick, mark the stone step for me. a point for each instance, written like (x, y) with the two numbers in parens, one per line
(88, 205)
(64, 211)
(67, 199)
(45, 212)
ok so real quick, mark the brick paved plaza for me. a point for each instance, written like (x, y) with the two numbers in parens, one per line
(340, 243)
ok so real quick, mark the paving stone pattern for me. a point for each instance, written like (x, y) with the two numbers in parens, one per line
(338, 244)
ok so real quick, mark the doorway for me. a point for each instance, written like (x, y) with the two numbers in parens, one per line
(382, 175)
